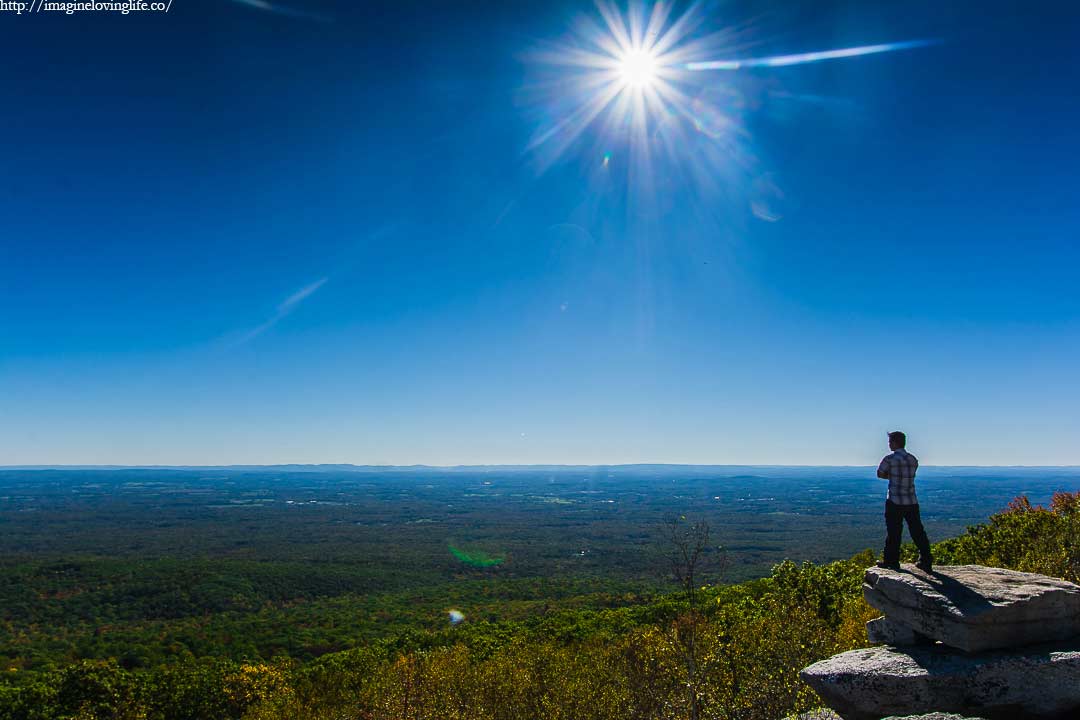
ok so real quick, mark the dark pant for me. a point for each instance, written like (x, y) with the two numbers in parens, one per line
(895, 515)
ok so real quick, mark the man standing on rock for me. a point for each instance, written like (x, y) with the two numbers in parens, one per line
(901, 504)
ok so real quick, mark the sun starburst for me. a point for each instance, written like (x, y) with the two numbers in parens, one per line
(620, 79)
(637, 68)
(642, 92)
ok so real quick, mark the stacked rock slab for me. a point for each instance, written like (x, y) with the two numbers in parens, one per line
(830, 715)
(975, 608)
(964, 639)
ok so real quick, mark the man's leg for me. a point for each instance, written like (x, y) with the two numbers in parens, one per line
(894, 524)
(918, 534)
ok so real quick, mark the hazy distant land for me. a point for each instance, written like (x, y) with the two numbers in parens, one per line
(576, 519)
(152, 565)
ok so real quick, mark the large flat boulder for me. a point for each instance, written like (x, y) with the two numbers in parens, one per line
(873, 683)
(976, 608)
(825, 714)
(883, 631)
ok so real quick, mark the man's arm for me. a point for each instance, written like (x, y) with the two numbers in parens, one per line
(883, 468)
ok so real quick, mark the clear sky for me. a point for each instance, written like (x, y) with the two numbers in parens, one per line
(319, 231)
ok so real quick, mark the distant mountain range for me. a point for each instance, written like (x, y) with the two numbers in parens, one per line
(349, 467)
(635, 468)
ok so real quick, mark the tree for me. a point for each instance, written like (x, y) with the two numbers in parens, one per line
(691, 555)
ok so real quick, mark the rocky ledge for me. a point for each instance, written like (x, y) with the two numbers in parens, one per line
(965, 639)
(878, 682)
(830, 715)
(976, 608)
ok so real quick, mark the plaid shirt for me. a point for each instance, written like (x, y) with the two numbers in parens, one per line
(900, 466)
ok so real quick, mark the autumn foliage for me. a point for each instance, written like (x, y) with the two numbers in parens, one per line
(627, 663)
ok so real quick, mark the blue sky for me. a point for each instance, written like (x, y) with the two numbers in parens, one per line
(323, 232)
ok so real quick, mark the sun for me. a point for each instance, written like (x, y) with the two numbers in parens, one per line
(637, 68)
(623, 77)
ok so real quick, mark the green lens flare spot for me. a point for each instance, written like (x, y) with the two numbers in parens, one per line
(475, 557)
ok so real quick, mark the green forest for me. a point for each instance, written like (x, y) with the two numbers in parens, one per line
(554, 649)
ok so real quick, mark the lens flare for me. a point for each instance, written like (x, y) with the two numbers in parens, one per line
(476, 558)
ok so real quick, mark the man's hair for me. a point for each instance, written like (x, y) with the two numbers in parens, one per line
(898, 438)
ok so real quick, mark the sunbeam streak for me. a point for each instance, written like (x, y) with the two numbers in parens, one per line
(810, 57)
(282, 10)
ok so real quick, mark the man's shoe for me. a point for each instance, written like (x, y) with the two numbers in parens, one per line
(925, 566)
(888, 566)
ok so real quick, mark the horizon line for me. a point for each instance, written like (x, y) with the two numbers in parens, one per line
(415, 466)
